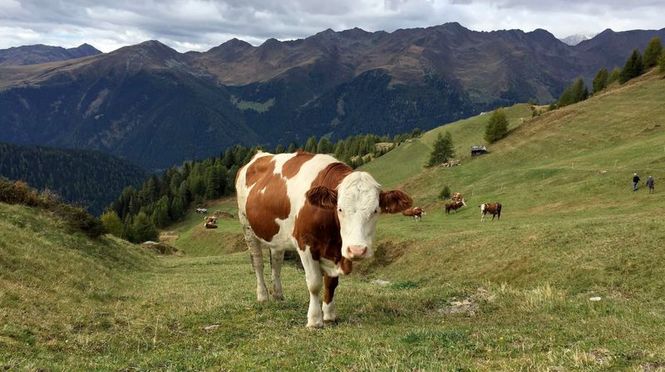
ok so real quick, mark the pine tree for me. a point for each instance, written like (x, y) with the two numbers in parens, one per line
(310, 145)
(143, 229)
(112, 223)
(177, 208)
(600, 81)
(633, 67)
(279, 149)
(576, 92)
(160, 215)
(652, 52)
(442, 151)
(615, 75)
(324, 146)
(497, 126)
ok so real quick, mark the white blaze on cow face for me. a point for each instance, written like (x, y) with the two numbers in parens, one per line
(357, 210)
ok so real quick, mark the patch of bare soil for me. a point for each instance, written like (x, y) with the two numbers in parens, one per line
(385, 253)
(468, 306)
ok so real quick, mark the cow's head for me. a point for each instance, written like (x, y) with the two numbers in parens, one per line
(358, 201)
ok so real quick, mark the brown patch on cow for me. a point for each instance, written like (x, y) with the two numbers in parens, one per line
(329, 283)
(293, 165)
(318, 228)
(322, 197)
(394, 201)
(345, 265)
(259, 168)
(413, 211)
(268, 200)
(453, 206)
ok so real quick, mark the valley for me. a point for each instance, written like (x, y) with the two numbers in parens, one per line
(569, 278)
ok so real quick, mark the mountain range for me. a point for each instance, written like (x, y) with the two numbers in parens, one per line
(157, 107)
(34, 54)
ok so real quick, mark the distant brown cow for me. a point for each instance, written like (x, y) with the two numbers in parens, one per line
(453, 206)
(415, 212)
(210, 222)
(490, 208)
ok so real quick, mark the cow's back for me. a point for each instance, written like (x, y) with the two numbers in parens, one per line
(271, 191)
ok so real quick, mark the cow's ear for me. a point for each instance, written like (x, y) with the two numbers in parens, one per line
(394, 201)
(322, 197)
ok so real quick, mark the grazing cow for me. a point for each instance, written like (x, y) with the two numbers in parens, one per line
(315, 205)
(202, 210)
(457, 197)
(490, 208)
(453, 206)
(210, 222)
(415, 212)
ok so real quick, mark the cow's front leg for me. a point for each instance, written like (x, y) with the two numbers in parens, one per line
(329, 311)
(314, 282)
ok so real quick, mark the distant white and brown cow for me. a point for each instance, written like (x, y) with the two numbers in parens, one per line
(415, 212)
(490, 208)
(458, 197)
(453, 205)
(318, 206)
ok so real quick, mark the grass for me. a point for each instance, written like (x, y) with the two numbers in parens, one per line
(447, 293)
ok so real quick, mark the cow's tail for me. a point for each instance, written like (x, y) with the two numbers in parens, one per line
(498, 211)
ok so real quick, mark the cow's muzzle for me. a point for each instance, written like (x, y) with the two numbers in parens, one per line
(356, 252)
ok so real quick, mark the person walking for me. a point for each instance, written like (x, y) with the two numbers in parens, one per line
(636, 181)
(650, 184)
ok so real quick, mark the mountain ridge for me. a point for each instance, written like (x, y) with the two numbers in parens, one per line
(40, 53)
(158, 107)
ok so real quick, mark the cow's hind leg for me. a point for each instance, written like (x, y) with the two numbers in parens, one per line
(276, 260)
(329, 311)
(257, 263)
(314, 283)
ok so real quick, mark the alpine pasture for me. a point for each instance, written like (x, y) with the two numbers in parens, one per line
(571, 277)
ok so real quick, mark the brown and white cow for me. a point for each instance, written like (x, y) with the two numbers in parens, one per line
(453, 206)
(458, 197)
(415, 212)
(318, 206)
(490, 208)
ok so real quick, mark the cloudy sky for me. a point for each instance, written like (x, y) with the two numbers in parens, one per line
(202, 24)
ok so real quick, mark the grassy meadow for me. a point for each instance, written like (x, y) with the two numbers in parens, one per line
(570, 278)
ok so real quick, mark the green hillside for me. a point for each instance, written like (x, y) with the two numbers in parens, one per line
(89, 178)
(569, 278)
(58, 290)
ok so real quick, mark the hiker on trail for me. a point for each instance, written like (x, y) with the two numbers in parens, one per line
(636, 180)
(650, 184)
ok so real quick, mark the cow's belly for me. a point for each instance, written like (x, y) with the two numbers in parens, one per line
(283, 240)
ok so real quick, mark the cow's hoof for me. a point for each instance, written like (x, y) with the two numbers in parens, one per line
(279, 297)
(315, 325)
(330, 321)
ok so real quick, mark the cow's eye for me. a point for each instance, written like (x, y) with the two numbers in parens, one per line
(376, 211)
(339, 210)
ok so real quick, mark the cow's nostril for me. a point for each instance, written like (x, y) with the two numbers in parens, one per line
(356, 250)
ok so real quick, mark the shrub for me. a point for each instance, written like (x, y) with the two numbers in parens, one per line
(443, 150)
(76, 218)
(497, 126)
(445, 193)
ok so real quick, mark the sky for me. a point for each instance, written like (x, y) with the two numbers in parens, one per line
(202, 24)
